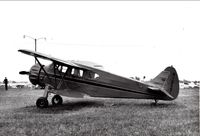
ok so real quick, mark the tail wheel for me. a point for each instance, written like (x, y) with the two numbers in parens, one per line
(156, 101)
(57, 100)
(42, 102)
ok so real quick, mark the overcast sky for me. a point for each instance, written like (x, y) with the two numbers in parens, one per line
(128, 38)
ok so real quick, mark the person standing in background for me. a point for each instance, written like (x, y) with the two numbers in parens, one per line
(5, 81)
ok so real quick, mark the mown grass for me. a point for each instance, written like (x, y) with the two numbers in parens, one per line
(97, 117)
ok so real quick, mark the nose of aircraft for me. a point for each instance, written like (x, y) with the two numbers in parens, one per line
(36, 75)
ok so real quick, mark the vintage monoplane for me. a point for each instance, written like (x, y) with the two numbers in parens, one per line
(75, 79)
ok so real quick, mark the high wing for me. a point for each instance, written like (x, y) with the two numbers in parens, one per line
(48, 57)
(85, 65)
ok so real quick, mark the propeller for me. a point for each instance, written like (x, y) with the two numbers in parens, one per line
(24, 73)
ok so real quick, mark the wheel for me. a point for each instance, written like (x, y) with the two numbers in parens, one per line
(42, 102)
(57, 100)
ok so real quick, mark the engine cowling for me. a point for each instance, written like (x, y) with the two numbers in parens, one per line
(36, 75)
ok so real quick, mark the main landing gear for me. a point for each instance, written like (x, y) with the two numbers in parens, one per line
(57, 100)
(42, 102)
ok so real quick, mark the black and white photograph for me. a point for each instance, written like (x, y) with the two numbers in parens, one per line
(99, 68)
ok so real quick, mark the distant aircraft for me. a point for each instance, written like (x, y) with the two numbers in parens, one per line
(75, 79)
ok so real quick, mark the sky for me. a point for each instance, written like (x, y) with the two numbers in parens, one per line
(129, 38)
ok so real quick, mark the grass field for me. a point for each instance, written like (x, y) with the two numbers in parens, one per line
(122, 117)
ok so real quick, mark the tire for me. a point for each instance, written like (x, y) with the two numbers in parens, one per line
(57, 100)
(42, 102)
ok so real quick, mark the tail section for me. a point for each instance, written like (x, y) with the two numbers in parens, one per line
(167, 81)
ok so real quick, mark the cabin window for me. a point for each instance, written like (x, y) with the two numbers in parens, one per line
(96, 76)
(90, 75)
(72, 72)
(69, 70)
(87, 74)
(60, 68)
(64, 69)
(77, 72)
(81, 73)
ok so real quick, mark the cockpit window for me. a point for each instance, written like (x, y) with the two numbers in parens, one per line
(62, 69)
(51, 66)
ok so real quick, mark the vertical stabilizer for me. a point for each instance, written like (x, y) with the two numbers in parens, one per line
(167, 81)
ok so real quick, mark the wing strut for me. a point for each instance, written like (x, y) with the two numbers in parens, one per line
(62, 80)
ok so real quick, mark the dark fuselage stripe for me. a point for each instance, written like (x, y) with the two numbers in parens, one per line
(97, 84)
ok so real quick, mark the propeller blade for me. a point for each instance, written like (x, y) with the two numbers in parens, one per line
(24, 73)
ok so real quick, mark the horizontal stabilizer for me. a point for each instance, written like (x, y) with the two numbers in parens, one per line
(160, 90)
(154, 88)
(165, 92)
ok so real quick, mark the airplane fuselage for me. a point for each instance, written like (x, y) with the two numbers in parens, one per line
(73, 82)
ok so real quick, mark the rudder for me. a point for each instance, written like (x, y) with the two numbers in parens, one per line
(168, 81)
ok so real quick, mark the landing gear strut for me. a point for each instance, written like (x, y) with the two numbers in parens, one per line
(42, 102)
